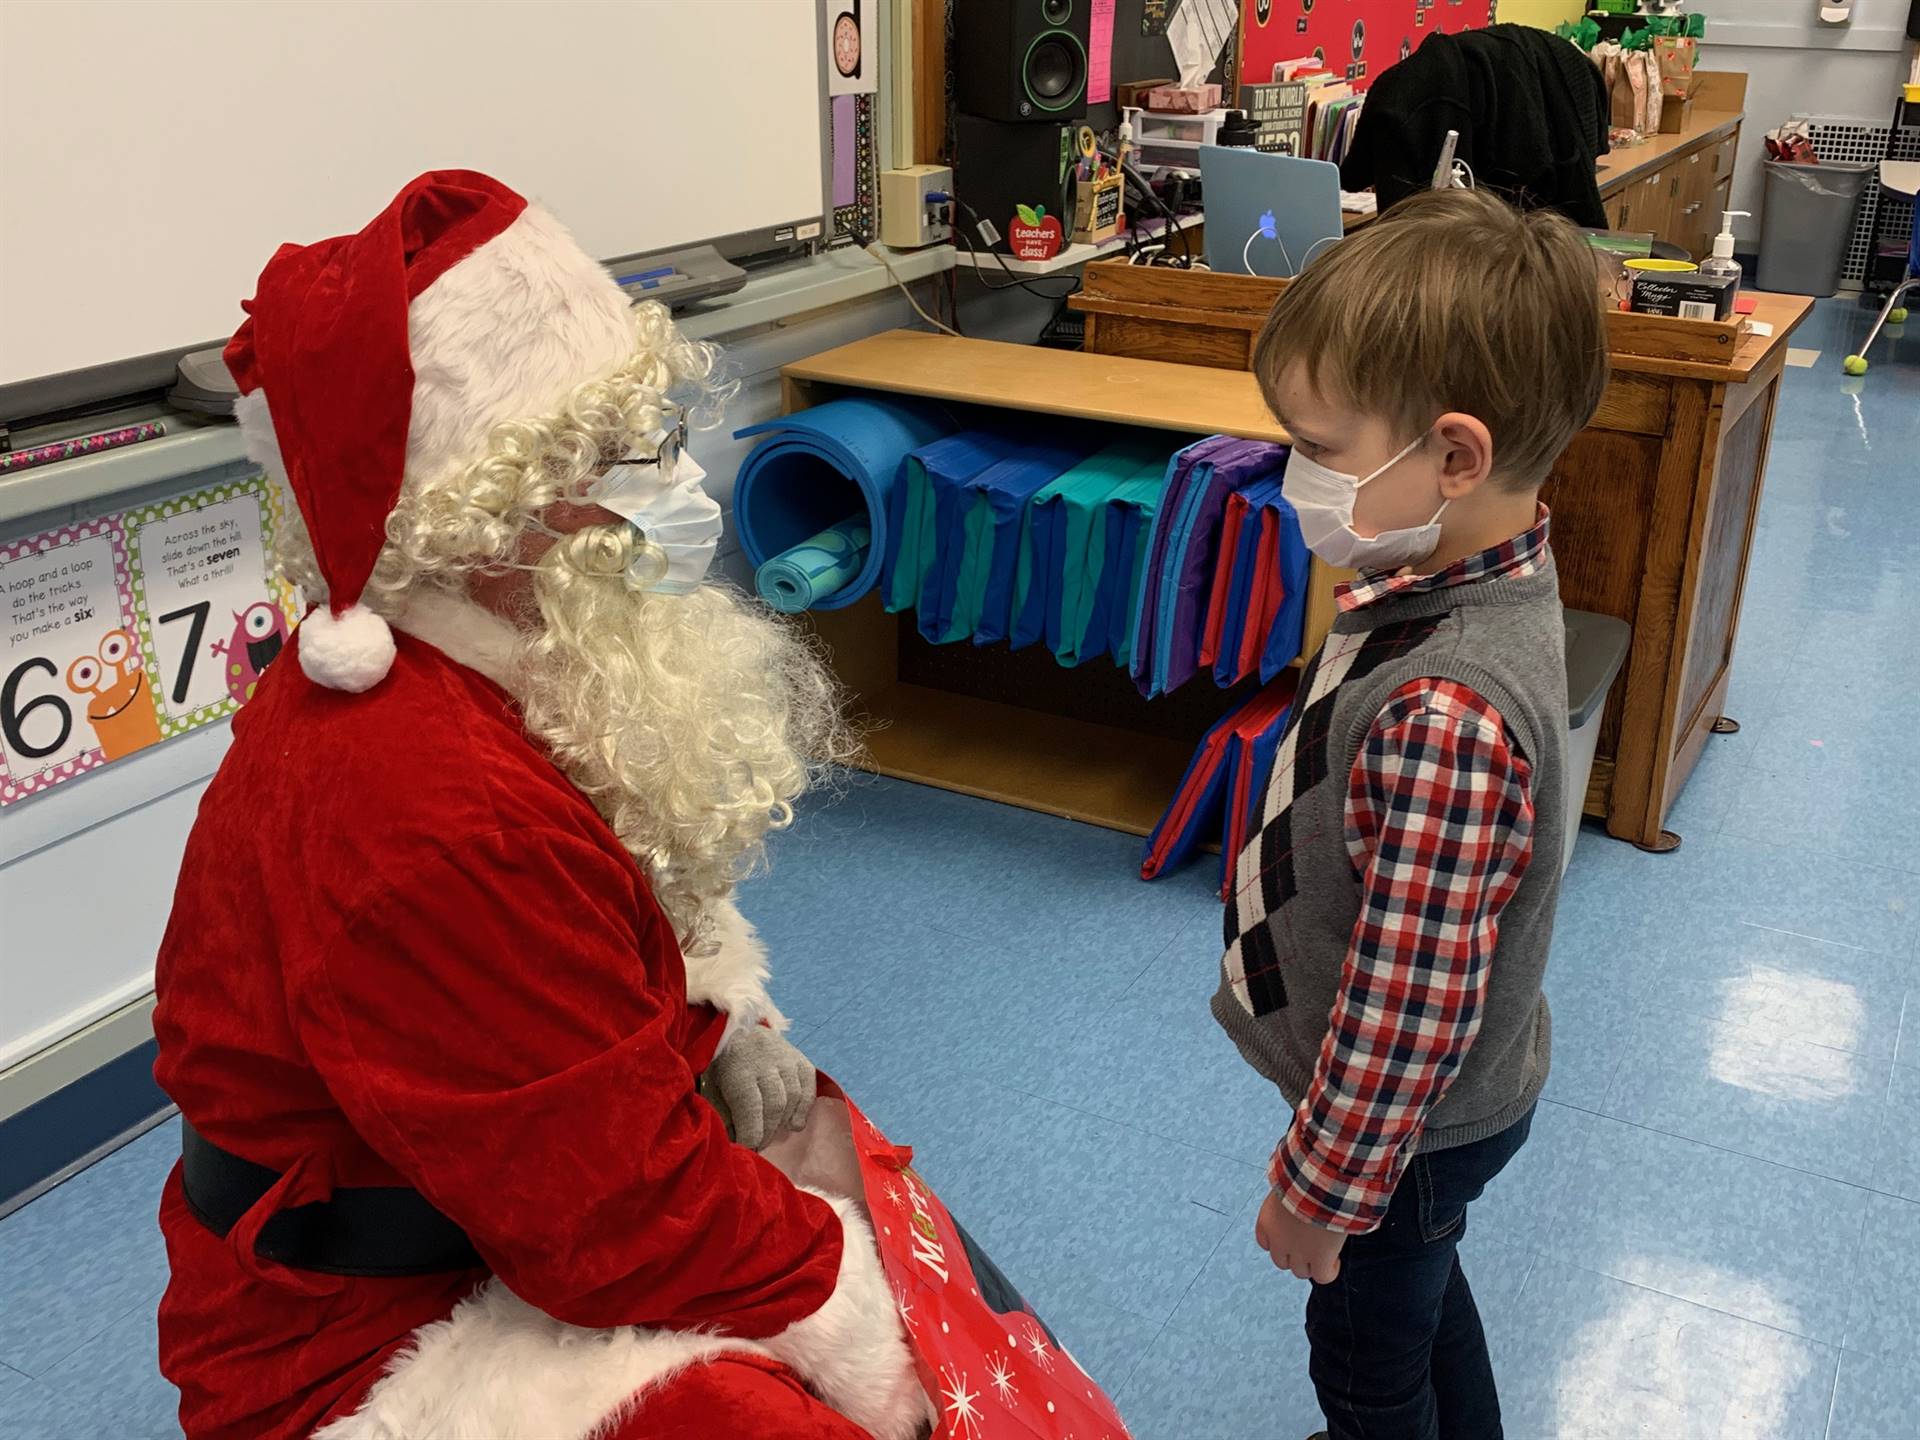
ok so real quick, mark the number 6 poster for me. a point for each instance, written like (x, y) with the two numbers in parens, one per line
(72, 693)
(127, 630)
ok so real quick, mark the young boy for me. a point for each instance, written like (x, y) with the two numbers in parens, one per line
(1390, 923)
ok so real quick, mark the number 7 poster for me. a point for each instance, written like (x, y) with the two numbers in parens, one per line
(127, 630)
(212, 617)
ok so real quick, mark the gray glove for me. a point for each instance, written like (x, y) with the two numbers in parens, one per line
(761, 1085)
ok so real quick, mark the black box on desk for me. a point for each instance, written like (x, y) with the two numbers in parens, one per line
(1689, 296)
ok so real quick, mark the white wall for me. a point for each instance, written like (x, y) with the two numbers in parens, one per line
(84, 914)
(1795, 65)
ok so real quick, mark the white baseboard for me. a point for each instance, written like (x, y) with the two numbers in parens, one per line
(31, 1080)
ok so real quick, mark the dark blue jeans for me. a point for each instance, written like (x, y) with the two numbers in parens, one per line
(1398, 1353)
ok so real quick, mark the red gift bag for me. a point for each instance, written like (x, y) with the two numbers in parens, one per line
(987, 1361)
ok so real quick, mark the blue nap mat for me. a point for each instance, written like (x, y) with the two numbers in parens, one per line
(815, 466)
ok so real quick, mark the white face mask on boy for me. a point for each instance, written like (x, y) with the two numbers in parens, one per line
(1323, 499)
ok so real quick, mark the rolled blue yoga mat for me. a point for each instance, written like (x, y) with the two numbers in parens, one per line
(814, 468)
(811, 574)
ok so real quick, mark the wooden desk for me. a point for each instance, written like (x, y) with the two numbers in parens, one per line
(1654, 506)
(1653, 502)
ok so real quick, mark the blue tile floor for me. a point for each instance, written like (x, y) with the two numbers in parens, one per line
(1714, 1233)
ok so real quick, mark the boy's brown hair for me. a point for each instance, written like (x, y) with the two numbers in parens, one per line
(1453, 300)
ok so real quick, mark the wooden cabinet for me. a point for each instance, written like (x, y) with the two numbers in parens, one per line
(1690, 223)
(1676, 196)
(1653, 502)
(1016, 727)
(1653, 522)
(1675, 186)
(1653, 204)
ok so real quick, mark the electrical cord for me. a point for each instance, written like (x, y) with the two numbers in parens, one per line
(953, 296)
(1323, 240)
(1246, 251)
(1013, 279)
(1146, 192)
(876, 252)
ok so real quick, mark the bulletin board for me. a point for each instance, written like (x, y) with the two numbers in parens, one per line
(1356, 38)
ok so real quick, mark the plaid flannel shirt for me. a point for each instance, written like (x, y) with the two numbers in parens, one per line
(1439, 829)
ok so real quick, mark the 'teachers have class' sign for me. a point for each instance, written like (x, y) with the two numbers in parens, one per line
(126, 630)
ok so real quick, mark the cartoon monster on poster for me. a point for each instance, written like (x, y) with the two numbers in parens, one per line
(259, 632)
(119, 709)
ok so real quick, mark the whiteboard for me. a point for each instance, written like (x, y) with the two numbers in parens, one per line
(153, 153)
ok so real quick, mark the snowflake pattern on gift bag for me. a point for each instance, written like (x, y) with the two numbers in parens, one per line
(991, 1366)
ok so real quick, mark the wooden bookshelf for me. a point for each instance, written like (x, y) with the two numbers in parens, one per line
(1104, 766)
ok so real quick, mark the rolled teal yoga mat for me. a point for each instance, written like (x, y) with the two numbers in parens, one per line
(815, 570)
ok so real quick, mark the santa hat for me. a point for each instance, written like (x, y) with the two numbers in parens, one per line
(371, 359)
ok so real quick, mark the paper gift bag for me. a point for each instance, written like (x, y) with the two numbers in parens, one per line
(989, 1364)
(1676, 55)
(1622, 108)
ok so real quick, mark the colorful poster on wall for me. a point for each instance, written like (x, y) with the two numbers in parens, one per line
(1356, 40)
(1100, 53)
(211, 616)
(72, 692)
(127, 630)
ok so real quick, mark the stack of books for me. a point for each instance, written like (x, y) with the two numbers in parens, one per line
(1305, 110)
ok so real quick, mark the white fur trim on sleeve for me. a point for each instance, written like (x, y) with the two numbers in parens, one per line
(351, 651)
(729, 972)
(499, 1369)
(853, 1350)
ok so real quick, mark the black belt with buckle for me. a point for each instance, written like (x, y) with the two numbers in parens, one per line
(375, 1230)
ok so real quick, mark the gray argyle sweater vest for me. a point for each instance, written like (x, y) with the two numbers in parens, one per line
(1297, 895)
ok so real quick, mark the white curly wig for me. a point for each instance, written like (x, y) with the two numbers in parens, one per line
(693, 722)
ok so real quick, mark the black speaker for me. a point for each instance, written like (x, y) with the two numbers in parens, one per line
(999, 167)
(1021, 59)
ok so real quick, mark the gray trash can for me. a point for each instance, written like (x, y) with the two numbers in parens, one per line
(1596, 649)
(1807, 220)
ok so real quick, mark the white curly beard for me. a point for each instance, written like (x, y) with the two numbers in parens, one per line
(692, 722)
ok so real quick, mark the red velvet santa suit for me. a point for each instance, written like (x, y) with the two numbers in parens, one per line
(405, 950)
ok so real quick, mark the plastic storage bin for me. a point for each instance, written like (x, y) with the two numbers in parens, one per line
(1807, 220)
(1166, 139)
(1596, 649)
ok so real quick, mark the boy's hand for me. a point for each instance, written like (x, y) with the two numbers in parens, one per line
(1307, 1250)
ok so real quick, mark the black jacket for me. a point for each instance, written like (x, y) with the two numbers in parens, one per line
(1530, 107)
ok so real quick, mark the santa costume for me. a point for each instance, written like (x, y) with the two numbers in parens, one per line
(428, 1019)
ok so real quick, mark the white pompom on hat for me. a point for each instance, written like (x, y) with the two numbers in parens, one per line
(393, 353)
(352, 650)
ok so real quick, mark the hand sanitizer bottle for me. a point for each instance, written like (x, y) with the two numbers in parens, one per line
(1722, 262)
